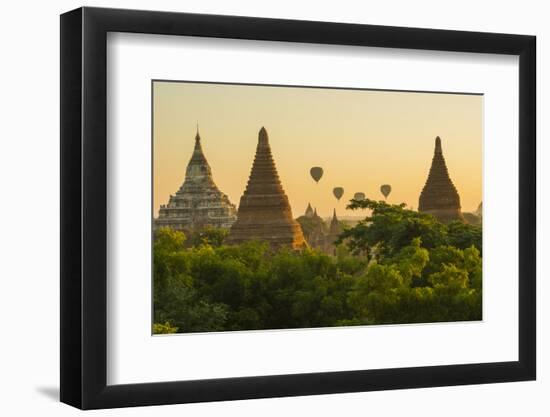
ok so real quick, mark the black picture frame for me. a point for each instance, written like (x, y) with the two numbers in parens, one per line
(84, 207)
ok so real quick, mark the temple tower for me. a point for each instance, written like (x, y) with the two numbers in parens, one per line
(309, 211)
(313, 228)
(264, 211)
(333, 233)
(335, 228)
(198, 203)
(439, 196)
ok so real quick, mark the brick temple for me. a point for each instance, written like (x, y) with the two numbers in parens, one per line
(264, 211)
(439, 196)
(198, 203)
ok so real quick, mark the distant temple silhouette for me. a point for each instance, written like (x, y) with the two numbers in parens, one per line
(313, 228)
(264, 211)
(334, 231)
(198, 203)
(309, 211)
(439, 196)
(317, 233)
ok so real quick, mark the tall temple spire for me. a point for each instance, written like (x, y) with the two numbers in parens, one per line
(438, 148)
(263, 139)
(198, 202)
(335, 228)
(264, 211)
(334, 218)
(198, 169)
(439, 196)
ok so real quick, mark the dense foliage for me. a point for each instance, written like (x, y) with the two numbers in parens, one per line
(396, 266)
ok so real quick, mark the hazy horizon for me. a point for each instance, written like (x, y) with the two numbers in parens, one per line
(361, 138)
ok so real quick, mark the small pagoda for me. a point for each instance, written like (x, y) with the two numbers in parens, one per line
(313, 228)
(264, 211)
(439, 196)
(309, 211)
(198, 203)
(335, 229)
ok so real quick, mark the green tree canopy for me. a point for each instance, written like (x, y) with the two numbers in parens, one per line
(391, 227)
(395, 266)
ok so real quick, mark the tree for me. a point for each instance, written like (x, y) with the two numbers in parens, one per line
(390, 227)
(463, 235)
(164, 328)
(397, 266)
(175, 299)
(213, 236)
(389, 292)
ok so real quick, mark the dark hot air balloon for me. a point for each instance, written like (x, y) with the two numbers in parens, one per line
(385, 190)
(359, 196)
(338, 192)
(316, 173)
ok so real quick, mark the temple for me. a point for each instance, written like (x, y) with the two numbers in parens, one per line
(309, 211)
(264, 211)
(334, 231)
(439, 196)
(317, 233)
(198, 203)
(313, 228)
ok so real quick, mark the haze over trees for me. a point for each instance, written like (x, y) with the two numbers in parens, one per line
(395, 266)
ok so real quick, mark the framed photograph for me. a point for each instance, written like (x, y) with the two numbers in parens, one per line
(257, 208)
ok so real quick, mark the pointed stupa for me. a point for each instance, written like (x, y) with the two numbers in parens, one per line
(334, 225)
(198, 203)
(264, 211)
(309, 211)
(334, 231)
(439, 196)
(315, 215)
(198, 173)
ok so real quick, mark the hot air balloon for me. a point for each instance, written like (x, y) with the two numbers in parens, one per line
(338, 192)
(359, 196)
(316, 173)
(385, 190)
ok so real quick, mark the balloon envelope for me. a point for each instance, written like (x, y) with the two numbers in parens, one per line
(359, 196)
(385, 190)
(338, 192)
(316, 173)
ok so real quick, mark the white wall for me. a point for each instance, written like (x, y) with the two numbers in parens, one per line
(29, 175)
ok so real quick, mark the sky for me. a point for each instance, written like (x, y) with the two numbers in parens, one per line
(361, 138)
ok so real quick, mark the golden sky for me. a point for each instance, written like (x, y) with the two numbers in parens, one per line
(361, 138)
